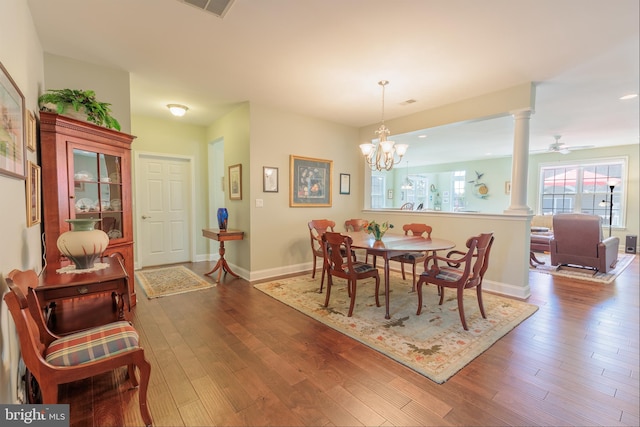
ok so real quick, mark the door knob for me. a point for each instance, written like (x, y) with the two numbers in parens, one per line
(145, 217)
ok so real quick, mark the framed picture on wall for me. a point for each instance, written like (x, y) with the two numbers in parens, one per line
(235, 182)
(345, 183)
(33, 194)
(309, 182)
(31, 130)
(12, 128)
(269, 179)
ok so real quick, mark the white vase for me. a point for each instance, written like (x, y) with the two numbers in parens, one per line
(83, 244)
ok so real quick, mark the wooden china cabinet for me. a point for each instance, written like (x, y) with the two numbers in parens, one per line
(86, 173)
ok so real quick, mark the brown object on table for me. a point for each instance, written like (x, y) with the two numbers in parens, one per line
(112, 280)
(395, 244)
(460, 273)
(334, 244)
(413, 258)
(85, 161)
(54, 360)
(222, 236)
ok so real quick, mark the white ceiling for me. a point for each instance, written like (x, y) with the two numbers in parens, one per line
(323, 58)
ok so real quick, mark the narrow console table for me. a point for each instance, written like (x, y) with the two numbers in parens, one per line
(112, 280)
(222, 236)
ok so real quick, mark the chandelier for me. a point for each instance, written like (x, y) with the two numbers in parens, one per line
(383, 156)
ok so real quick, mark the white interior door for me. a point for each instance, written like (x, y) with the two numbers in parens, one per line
(163, 205)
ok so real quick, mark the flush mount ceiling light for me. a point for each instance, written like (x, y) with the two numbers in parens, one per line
(177, 109)
(383, 156)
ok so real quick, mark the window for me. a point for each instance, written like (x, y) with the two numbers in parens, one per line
(458, 190)
(377, 191)
(585, 189)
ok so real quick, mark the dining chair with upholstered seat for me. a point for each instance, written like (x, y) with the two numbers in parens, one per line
(346, 268)
(317, 227)
(356, 225)
(463, 270)
(55, 360)
(413, 258)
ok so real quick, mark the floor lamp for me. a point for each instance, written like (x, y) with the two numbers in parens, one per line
(611, 186)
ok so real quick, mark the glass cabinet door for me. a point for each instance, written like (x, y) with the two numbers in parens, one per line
(97, 189)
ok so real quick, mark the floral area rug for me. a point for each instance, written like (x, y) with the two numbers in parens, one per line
(433, 344)
(579, 273)
(161, 282)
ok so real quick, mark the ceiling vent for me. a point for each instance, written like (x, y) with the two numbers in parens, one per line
(217, 7)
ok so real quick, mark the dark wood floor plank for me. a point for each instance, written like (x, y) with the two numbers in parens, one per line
(231, 355)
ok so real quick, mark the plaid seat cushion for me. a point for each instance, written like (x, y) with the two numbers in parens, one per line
(360, 267)
(446, 273)
(93, 344)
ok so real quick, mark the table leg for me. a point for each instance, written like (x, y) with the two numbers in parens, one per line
(386, 285)
(221, 265)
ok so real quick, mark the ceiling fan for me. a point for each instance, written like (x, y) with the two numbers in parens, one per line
(561, 147)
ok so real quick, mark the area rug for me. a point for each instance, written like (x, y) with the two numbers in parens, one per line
(578, 273)
(433, 344)
(162, 282)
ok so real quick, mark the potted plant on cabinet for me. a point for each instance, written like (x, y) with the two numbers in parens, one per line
(64, 101)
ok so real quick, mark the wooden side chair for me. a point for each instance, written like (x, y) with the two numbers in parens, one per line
(54, 360)
(345, 267)
(463, 271)
(317, 228)
(413, 258)
(355, 225)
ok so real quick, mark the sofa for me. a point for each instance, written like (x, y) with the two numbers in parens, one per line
(578, 241)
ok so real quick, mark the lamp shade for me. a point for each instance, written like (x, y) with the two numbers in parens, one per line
(177, 109)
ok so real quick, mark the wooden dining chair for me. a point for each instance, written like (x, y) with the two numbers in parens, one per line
(346, 268)
(463, 270)
(413, 258)
(317, 227)
(356, 225)
(55, 360)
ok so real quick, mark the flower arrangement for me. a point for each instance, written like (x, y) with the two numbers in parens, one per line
(378, 230)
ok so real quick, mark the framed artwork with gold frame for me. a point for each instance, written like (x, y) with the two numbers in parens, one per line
(310, 182)
(34, 196)
(235, 182)
(31, 130)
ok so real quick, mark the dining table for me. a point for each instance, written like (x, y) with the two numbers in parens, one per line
(395, 244)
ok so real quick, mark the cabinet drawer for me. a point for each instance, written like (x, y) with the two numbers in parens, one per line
(80, 290)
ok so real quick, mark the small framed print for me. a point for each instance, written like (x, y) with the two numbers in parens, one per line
(269, 179)
(235, 182)
(345, 183)
(33, 194)
(31, 131)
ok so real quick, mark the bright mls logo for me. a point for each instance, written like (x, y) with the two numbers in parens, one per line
(34, 415)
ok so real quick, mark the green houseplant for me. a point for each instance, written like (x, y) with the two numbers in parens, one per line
(81, 101)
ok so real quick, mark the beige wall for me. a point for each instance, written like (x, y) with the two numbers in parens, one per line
(110, 85)
(280, 240)
(21, 56)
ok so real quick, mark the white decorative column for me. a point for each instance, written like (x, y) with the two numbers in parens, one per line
(520, 165)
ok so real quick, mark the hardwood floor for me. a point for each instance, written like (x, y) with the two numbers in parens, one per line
(233, 356)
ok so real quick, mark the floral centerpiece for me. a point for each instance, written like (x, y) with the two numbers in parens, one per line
(378, 230)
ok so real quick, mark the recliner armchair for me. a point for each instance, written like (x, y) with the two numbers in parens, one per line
(578, 240)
